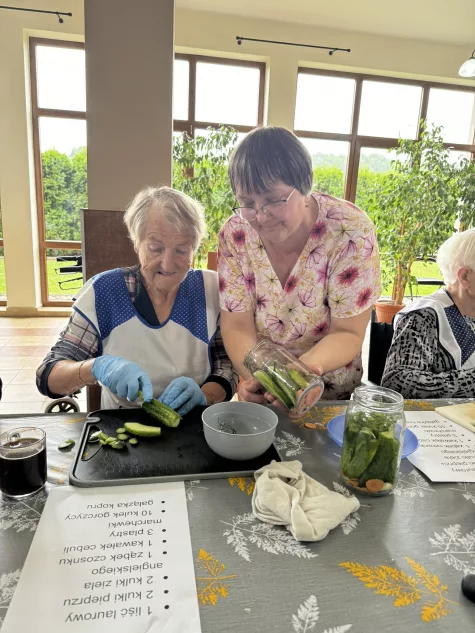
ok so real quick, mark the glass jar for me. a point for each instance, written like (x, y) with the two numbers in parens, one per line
(284, 376)
(372, 440)
(22, 461)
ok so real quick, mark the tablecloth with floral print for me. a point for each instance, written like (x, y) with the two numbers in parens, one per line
(395, 565)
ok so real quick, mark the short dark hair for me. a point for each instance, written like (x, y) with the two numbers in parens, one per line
(268, 155)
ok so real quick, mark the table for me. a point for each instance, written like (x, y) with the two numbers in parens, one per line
(395, 565)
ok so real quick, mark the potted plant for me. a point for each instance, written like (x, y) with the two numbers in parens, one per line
(414, 208)
(200, 169)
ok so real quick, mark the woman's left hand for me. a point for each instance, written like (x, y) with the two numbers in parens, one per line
(183, 394)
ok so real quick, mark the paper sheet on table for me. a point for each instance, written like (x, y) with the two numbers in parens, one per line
(463, 414)
(446, 451)
(109, 560)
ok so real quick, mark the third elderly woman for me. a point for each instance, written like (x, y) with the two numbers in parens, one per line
(433, 350)
(296, 266)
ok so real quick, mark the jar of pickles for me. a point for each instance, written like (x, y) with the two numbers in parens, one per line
(372, 440)
(284, 376)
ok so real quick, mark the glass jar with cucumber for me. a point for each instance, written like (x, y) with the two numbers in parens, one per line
(284, 376)
(372, 440)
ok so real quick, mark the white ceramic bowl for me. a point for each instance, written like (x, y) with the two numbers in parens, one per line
(254, 424)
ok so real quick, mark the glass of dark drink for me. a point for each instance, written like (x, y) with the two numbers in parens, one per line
(22, 461)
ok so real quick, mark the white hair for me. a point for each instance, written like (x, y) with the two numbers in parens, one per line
(184, 213)
(456, 253)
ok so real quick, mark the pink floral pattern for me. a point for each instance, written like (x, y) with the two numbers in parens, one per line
(336, 276)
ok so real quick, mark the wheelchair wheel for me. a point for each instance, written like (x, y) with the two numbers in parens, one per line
(63, 405)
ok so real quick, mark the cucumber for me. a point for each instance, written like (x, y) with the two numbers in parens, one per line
(365, 449)
(117, 445)
(279, 379)
(298, 378)
(270, 386)
(384, 464)
(161, 412)
(142, 430)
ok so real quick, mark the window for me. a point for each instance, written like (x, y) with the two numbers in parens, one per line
(324, 104)
(389, 110)
(210, 91)
(58, 88)
(455, 112)
(374, 162)
(329, 163)
(207, 92)
(181, 88)
(351, 124)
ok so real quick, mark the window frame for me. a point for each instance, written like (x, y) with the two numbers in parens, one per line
(2, 301)
(36, 113)
(358, 141)
(190, 124)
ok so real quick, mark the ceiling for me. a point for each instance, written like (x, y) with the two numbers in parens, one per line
(443, 21)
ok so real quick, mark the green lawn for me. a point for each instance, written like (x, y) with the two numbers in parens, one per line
(419, 269)
(54, 290)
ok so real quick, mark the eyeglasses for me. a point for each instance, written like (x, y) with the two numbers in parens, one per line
(271, 208)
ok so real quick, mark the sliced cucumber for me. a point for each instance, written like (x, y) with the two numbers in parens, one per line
(142, 430)
(118, 445)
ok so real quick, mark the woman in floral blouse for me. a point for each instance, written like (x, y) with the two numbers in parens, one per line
(300, 268)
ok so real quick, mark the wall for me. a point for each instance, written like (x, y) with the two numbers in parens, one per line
(214, 33)
(195, 32)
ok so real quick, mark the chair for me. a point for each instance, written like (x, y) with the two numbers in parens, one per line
(380, 338)
(105, 245)
(426, 281)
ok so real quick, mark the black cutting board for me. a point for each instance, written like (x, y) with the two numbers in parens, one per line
(178, 454)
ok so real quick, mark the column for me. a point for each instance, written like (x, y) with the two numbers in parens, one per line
(129, 73)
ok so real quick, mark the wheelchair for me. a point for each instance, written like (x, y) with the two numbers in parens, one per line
(68, 404)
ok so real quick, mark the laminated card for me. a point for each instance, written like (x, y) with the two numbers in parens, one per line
(115, 560)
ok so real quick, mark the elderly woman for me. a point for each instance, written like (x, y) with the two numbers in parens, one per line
(298, 267)
(433, 350)
(152, 327)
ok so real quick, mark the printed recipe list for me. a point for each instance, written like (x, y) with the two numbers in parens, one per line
(446, 450)
(106, 560)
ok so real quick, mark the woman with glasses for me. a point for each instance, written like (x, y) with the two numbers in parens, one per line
(296, 266)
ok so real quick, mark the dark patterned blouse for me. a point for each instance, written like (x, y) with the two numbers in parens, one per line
(418, 366)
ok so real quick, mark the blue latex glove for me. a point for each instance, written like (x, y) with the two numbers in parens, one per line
(183, 395)
(122, 377)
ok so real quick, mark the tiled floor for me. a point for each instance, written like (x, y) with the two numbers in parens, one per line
(23, 345)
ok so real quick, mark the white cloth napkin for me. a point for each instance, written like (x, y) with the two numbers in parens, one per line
(285, 495)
